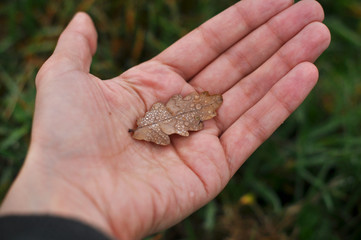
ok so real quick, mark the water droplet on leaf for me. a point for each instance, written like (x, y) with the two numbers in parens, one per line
(177, 116)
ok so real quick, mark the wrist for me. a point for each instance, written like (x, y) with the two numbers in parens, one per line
(36, 191)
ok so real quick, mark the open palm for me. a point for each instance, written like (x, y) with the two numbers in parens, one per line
(258, 54)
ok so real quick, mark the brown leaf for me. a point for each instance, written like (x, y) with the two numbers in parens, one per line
(179, 115)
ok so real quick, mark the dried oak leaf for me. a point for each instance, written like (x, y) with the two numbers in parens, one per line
(179, 115)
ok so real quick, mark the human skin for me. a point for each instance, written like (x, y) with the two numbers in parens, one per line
(83, 163)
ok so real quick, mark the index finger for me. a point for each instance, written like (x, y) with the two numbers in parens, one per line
(197, 49)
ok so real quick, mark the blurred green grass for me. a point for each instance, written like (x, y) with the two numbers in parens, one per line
(303, 183)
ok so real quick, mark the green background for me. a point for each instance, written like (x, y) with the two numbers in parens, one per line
(303, 183)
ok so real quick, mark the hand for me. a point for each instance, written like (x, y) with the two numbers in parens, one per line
(83, 163)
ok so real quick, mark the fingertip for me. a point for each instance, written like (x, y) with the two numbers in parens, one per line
(76, 45)
(314, 8)
(83, 24)
(309, 71)
(319, 8)
(319, 35)
(327, 35)
(322, 35)
(300, 80)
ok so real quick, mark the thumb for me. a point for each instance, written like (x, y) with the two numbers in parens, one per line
(75, 47)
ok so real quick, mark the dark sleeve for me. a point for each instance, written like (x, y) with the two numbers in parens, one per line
(44, 227)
